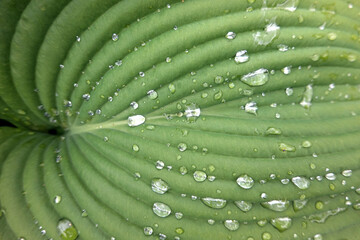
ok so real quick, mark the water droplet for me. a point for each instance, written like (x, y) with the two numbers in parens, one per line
(332, 36)
(286, 70)
(307, 97)
(182, 147)
(245, 181)
(211, 221)
(230, 35)
(136, 120)
(168, 60)
(218, 95)
(78, 39)
(115, 37)
(276, 205)
(273, 131)
(243, 205)
(270, 32)
(179, 215)
(192, 112)
(152, 94)
(301, 182)
(283, 48)
(318, 237)
(183, 170)
(347, 173)
(199, 176)
(232, 225)
(284, 147)
(257, 78)
(306, 144)
(118, 63)
(266, 236)
(179, 230)
(219, 79)
(148, 231)
(172, 88)
(288, 5)
(289, 91)
(86, 96)
(281, 223)
(299, 204)
(57, 199)
(161, 209)
(159, 186)
(134, 105)
(135, 148)
(241, 56)
(321, 217)
(84, 213)
(214, 202)
(159, 164)
(251, 107)
(67, 230)
(285, 181)
(330, 176)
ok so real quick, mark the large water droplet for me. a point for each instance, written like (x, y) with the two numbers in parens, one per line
(241, 56)
(257, 78)
(161, 209)
(281, 223)
(152, 94)
(307, 97)
(301, 182)
(199, 176)
(276, 205)
(284, 147)
(270, 32)
(67, 230)
(214, 202)
(245, 181)
(159, 186)
(243, 205)
(136, 120)
(347, 173)
(232, 225)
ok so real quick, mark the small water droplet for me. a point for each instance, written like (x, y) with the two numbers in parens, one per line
(192, 112)
(86, 96)
(159, 164)
(330, 176)
(251, 107)
(152, 94)
(232, 225)
(289, 91)
(266, 236)
(115, 37)
(276, 205)
(347, 173)
(179, 215)
(78, 39)
(257, 78)
(211, 221)
(182, 147)
(230, 35)
(67, 230)
(245, 181)
(161, 209)
(241, 56)
(299, 204)
(332, 36)
(172, 88)
(273, 131)
(286, 70)
(219, 79)
(306, 144)
(218, 95)
(281, 223)
(148, 231)
(134, 105)
(136, 120)
(199, 176)
(159, 186)
(318, 237)
(57, 199)
(301, 182)
(214, 202)
(283, 47)
(244, 205)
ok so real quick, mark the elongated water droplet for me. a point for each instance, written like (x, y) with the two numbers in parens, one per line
(161, 209)
(330, 176)
(159, 186)
(67, 230)
(276, 205)
(241, 56)
(230, 35)
(273, 131)
(347, 173)
(172, 88)
(245, 181)
(251, 107)
(284, 147)
(270, 32)
(136, 120)
(199, 176)
(257, 78)
(301, 182)
(321, 217)
(281, 223)
(243, 205)
(232, 225)
(288, 5)
(307, 97)
(214, 202)
(299, 204)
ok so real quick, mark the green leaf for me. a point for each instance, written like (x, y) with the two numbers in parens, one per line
(194, 119)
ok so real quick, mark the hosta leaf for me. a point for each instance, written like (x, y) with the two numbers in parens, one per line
(175, 119)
